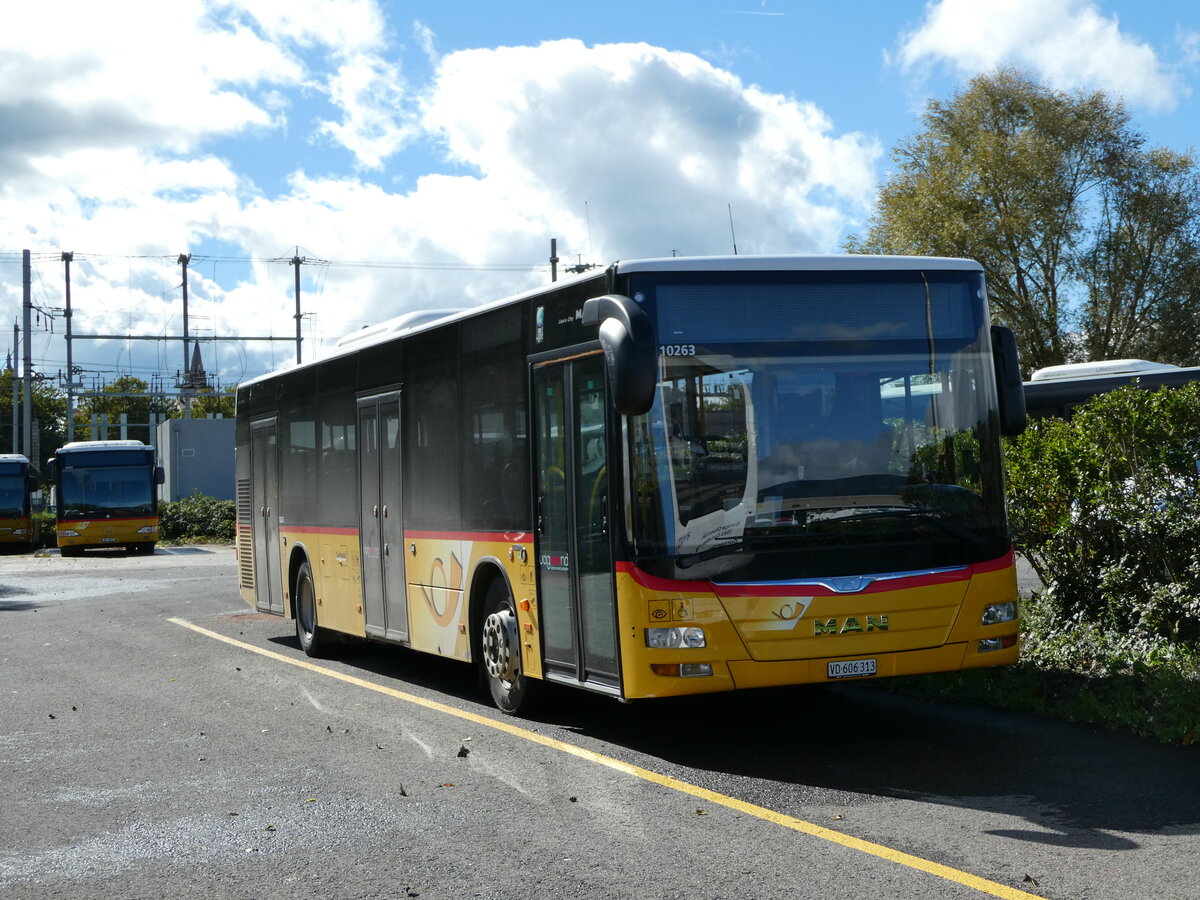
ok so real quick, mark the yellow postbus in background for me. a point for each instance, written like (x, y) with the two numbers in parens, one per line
(676, 476)
(106, 495)
(18, 483)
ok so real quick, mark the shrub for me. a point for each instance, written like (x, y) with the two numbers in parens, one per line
(197, 518)
(1106, 508)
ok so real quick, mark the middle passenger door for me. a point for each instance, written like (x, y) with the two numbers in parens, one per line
(381, 531)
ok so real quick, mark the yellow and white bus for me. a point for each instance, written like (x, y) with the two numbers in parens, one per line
(678, 476)
(106, 495)
(18, 482)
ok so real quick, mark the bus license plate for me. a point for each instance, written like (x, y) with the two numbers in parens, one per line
(852, 668)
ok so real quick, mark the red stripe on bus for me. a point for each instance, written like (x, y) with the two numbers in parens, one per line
(518, 537)
(99, 519)
(318, 529)
(784, 589)
(515, 537)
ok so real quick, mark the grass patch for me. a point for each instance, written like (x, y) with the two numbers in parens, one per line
(1080, 673)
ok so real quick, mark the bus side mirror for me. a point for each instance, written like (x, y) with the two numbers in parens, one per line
(160, 477)
(1009, 386)
(630, 357)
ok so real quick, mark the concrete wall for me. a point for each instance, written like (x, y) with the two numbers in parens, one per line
(197, 454)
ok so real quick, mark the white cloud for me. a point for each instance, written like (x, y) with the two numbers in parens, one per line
(89, 76)
(370, 93)
(657, 144)
(617, 151)
(1189, 45)
(1068, 43)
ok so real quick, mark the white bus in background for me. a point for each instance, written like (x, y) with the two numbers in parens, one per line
(1057, 390)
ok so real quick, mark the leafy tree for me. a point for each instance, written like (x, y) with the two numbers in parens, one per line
(207, 402)
(49, 414)
(1142, 272)
(1088, 238)
(128, 395)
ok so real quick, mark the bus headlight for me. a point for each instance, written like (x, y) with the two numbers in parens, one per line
(996, 613)
(148, 529)
(19, 532)
(675, 638)
(68, 532)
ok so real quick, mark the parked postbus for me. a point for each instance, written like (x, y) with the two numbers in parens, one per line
(18, 483)
(106, 496)
(673, 477)
(1057, 390)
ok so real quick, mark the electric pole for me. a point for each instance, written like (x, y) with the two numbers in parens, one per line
(184, 259)
(27, 286)
(66, 258)
(296, 261)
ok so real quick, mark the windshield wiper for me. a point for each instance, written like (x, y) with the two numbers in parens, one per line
(926, 516)
(753, 540)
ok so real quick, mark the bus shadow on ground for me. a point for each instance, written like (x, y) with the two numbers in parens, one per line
(1074, 784)
(786, 748)
(11, 599)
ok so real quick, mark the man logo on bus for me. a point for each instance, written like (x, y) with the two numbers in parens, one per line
(850, 625)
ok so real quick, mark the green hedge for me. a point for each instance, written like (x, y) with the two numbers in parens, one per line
(1106, 508)
(197, 518)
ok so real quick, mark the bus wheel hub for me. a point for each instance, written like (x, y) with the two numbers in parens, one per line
(500, 653)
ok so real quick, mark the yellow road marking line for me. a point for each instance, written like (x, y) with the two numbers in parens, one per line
(966, 879)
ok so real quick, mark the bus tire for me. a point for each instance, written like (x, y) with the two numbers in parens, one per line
(314, 640)
(500, 653)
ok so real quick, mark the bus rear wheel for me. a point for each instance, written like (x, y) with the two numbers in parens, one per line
(313, 639)
(500, 646)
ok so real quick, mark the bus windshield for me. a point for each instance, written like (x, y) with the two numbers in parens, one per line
(802, 457)
(12, 495)
(109, 491)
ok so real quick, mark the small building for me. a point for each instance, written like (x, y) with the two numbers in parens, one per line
(197, 454)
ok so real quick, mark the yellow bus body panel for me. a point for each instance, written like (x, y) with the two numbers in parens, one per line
(439, 573)
(779, 636)
(790, 636)
(107, 532)
(16, 530)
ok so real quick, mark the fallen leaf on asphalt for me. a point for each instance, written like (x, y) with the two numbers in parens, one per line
(701, 812)
(1029, 879)
(463, 751)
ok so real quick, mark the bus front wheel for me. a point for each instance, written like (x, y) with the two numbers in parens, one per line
(511, 690)
(313, 639)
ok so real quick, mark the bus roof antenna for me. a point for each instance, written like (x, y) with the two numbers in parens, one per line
(731, 234)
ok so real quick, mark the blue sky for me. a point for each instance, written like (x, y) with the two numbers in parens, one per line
(423, 154)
